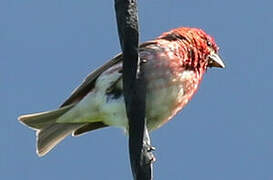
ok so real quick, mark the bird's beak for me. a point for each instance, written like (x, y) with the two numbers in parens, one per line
(215, 61)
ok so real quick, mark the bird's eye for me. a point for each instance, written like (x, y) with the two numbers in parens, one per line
(209, 44)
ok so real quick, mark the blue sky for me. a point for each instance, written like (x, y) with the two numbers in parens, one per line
(225, 132)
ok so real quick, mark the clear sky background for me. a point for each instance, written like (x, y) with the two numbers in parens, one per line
(225, 132)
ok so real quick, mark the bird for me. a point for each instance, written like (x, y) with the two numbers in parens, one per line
(174, 64)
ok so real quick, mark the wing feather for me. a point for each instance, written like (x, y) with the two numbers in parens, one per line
(89, 83)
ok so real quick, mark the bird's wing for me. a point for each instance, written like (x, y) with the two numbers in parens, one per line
(89, 83)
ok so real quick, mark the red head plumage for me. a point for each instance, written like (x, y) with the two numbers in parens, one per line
(194, 42)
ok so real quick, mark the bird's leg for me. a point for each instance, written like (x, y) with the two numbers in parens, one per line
(148, 149)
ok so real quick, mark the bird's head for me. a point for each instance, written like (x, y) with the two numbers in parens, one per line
(201, 49)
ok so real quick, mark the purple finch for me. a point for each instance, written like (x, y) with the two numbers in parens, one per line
(173, 64)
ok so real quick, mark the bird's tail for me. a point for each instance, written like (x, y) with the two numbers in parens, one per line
(49, 133)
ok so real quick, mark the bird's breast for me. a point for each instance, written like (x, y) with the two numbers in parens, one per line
(169, 88)
(167, 96)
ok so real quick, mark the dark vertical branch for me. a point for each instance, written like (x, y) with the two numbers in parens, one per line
(134, 86)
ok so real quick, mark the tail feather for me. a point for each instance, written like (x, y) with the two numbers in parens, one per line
(89, 127)
(50, 136)
(49, 133)
(41, 120)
